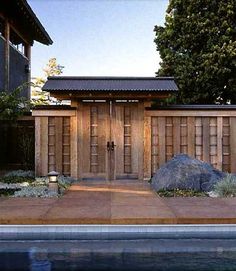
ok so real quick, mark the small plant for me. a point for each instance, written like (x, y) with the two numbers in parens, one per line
(226, 187)
(38, 192)
(181, 193)
(20, 173)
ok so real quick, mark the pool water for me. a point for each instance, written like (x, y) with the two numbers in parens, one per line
(148, 254)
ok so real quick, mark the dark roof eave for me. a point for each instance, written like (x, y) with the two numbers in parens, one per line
(110, 90)
(45, 38)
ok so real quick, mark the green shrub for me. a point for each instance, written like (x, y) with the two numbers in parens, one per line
(8, 191)
(226, 187)
(15, 179)
(20, 173)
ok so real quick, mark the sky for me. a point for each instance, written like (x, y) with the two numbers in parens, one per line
(99, 37)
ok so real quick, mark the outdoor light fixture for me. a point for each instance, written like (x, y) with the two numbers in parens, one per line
(27, 68)
(53, 182)
(53, 176)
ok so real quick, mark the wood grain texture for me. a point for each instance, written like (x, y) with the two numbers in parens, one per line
(162, 140)
(140, 142)
(233, 144)
(54, 113)
(74, 147)
(176, 135)
(147, 154)
(44, 146)
(118, 137)
(205, 139)
(190, 113)
(58, 145)
(219, 142)
(38, 160)
(191, 136)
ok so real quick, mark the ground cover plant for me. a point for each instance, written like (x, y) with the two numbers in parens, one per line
(181, 193)
(21, 183)
(226, 187)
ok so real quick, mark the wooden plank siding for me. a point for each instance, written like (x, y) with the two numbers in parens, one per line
(206, 135)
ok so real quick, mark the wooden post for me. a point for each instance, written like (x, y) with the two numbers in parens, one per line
(38, 146)
(219, 142)
(233, 144)
(28, 55)
(80, 139)
(147, 157)
(7, 56)
(206, 139)
(73, 148)
(141, 141)
(176, 135)
(191, 136)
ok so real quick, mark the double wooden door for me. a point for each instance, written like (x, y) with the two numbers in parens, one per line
(111, 140)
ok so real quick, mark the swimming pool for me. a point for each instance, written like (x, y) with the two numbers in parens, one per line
(142, 251)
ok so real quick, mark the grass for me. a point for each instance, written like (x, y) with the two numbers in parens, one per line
(181, 193)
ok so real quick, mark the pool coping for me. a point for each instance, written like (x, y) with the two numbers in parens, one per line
(116, 232)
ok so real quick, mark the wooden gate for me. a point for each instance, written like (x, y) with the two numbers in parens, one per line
(111, 145)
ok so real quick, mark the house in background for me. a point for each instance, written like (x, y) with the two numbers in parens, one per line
(19, 28)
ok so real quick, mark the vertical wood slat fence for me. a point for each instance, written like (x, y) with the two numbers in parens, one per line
(208, 135)
(53, 141)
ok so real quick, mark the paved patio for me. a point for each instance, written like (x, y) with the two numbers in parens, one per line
(122, 202)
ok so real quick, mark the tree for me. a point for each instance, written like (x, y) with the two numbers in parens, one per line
(12, 105)
(38, 96)
(197, 46)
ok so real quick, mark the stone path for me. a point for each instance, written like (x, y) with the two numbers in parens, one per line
(123, 202)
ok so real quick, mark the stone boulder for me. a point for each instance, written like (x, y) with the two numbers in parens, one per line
(184, 172)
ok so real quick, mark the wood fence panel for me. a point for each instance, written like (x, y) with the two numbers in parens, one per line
(38, 146)
(44, 145)
(226, 144)
(162, 140)
(208, 136)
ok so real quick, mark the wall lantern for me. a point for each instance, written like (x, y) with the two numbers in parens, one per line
(27, 68)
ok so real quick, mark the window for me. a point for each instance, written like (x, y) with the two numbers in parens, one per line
(17, 42)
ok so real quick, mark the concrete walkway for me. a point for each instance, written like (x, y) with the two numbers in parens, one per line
(123, 202)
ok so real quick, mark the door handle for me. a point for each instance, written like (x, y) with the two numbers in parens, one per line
(108, 146)
(112, 145)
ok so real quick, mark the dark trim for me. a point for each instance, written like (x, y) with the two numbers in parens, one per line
(194, 107)
(54, 107)
(107, 78)
(38, 26)
(105, 91)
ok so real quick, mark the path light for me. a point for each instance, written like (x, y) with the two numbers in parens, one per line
(53, 181)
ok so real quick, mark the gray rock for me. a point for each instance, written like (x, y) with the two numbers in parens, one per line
(184, 172)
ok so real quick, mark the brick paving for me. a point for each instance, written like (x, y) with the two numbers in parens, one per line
(126, 202)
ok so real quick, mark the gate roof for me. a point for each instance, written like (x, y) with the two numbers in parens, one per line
(114, 87)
